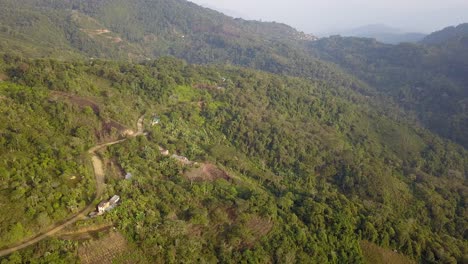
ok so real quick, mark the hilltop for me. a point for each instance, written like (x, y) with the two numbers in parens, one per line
(447, 34)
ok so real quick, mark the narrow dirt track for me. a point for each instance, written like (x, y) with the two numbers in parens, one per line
(98, 174)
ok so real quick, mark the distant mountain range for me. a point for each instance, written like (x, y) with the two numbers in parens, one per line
(382, 33)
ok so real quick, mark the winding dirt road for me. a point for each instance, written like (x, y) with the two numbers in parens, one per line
(99, 175)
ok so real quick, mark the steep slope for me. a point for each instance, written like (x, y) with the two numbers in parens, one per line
(46, 32)
(428, 81)
(143, 29)
(160, 27)
(313, 168)
(447, 34)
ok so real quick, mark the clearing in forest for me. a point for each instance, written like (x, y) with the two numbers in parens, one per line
(207, 172)
(373, 254)
(103, 250)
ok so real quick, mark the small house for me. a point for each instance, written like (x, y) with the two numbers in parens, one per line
(182, 159)
(114, 200)
(156, 120)
(107, 205)
(128, 176)
(163, 151)
(102, 206)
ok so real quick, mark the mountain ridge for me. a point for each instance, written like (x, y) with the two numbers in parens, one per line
(381, 33)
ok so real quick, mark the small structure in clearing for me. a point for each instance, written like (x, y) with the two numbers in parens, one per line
(128, 176)
(156, 120)
(163, 151)
(105, 206)
(108, 205)
(207, 172)
(128, 132)
(182, 159)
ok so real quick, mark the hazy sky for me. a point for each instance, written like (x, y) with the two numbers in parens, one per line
(318, 16)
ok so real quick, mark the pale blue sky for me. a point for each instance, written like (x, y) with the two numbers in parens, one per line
(318, 16)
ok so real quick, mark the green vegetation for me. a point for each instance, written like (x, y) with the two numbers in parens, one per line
(338, 142)
(426, 81)
(429, 82)
(43, 174)
(315, 168)
(150, 29)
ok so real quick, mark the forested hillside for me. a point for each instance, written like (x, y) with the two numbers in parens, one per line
(142, 29)
(312, 168)
(430, 82)
(446, 35)
(268, 147)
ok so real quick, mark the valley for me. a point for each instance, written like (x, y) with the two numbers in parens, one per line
(258, 144)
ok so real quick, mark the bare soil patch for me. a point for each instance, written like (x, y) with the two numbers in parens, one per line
(373, 254)
(103, 250)
(259, 227)
(3, 77)
(77, 100)
(109, 128)
(95, 32)
(86, 233)
(100, 31)
(116, 171)
(207, 172)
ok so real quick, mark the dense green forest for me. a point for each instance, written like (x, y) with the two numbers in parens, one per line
(429, 81)
(304, 150)
(313, 168)
(143, 29)
(426, 80)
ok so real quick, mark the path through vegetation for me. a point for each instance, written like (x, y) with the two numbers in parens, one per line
(99, 175)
